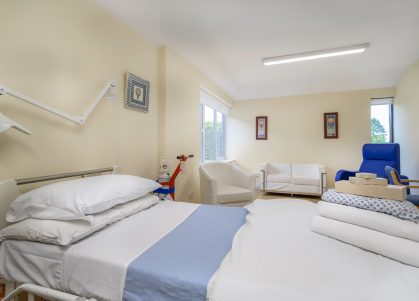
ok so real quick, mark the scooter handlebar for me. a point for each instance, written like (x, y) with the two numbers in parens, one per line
(183, 156)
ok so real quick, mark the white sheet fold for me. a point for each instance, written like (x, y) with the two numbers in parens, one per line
(399, 249)
(369, 219)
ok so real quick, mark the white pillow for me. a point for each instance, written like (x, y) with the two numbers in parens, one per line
(67, 232)
(75, 199)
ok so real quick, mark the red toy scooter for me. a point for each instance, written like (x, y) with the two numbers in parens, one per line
(168, 183)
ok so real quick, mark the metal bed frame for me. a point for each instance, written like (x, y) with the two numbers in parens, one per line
(13, 290)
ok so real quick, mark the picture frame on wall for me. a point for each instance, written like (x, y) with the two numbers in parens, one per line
(331, 125)
(137, 93)
(261, 128)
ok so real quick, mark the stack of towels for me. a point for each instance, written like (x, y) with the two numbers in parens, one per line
(385, 227)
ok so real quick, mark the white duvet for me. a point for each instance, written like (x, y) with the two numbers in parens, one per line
(275, 257)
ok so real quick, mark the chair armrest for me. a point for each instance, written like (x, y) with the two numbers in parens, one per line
(208, 187)
(407, 181)
(344, 174)
(263, 175)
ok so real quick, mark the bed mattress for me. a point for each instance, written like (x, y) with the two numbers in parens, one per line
(275, 256)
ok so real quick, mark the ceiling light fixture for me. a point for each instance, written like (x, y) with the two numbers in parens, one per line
(312, 55)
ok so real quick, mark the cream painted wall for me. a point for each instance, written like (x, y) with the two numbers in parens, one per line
(181, 110)
(62, 53)
(406, 116)
(295, 130)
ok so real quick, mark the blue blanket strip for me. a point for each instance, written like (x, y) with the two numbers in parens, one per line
(180, 265)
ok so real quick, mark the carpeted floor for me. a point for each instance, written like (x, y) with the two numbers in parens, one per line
(269, 196)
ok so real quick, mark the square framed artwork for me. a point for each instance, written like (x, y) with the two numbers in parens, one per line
(331, 125)
(137, 92)
(261, 128)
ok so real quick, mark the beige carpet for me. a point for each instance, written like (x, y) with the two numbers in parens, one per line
(269, 196)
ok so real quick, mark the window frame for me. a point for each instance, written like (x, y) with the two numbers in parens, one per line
(391, 115)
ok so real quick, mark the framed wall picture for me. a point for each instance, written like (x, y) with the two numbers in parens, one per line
(331, 125)
(137, 92)
(261, 128)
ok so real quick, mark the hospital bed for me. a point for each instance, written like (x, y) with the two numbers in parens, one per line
(271, 254)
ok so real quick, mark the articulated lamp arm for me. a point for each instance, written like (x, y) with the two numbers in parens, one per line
(79, 119)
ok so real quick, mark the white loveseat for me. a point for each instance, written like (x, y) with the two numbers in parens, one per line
(226, 183)
(294, 178)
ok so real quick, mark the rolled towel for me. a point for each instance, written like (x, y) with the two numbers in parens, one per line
(372, 220)
(396, 248)
(404, 210)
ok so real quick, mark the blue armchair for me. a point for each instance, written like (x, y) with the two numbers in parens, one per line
(375, 158)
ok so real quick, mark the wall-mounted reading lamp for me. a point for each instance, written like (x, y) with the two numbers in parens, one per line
(6, 123)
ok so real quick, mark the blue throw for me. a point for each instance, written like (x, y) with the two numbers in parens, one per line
(180, 265)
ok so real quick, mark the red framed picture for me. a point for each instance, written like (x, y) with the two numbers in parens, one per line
(261, 128)
(331, 125)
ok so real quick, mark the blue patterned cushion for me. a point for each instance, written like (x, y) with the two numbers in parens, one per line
(404, 210)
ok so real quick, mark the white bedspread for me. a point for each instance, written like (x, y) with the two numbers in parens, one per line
(276, 257)
(370, 219)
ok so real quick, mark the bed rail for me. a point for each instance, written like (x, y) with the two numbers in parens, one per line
(65, 175)
(47, 293)
(11, 289)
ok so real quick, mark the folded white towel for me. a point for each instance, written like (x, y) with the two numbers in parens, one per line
(370, 219)
(399, 249)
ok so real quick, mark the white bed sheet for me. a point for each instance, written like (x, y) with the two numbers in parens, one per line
(95, 266)
(275, 256)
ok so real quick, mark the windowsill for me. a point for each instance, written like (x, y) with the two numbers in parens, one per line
(223, 160)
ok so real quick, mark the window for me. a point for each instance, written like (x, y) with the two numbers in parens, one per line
(213, 128)
(382, 120)
(213, 134)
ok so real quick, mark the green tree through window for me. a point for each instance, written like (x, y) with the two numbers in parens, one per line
(378, 132)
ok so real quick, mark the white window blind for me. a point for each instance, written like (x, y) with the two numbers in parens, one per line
(212, 101)
(382, 101)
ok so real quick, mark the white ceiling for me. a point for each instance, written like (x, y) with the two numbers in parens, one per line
(226, 40)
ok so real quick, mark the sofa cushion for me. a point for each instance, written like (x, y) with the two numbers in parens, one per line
(305, 181)
(231, 194)
(278, 178)
(305, 174)
(280, 168)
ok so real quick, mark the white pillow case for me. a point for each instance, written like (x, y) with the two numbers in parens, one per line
(75, 199)
(67, 232)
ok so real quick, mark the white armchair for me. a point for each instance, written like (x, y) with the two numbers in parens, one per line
(226, 183)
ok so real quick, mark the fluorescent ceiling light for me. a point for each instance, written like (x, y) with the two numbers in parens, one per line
(319, 54)
(6, 123)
